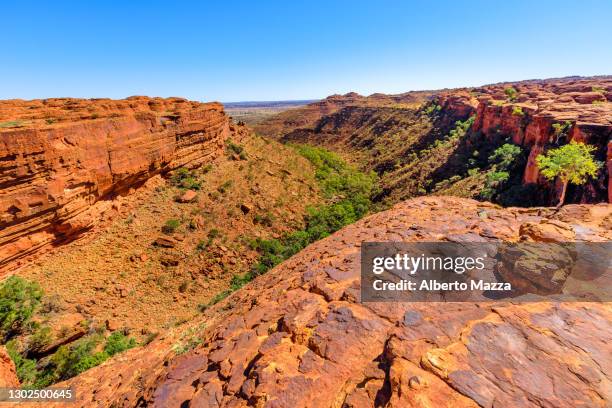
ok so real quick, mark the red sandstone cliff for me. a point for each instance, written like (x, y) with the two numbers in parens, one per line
(8, 376)
(384, 129)
(63, 160)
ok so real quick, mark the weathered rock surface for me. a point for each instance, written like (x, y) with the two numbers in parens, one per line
(299, 337)
(8, 376)
(63, 161)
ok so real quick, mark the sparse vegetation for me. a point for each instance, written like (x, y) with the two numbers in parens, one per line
(350, 193)
(511, 93)
(171, 226)
(19, 299)
(12, 124)
(236, 149)
(561, 130)
(517, 111)
(225, 186)
(598, 89)
(185, 179)
(572, 163)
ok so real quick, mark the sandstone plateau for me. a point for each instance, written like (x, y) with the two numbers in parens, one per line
(298, 336)
(63, 161)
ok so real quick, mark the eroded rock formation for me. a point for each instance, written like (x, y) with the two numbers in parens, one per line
(8, 376)
(62, 161)
(383, 132)
(299, 336)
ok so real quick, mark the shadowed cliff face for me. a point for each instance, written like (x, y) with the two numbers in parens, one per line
(298, 336)
(403, 139)
(62, 161)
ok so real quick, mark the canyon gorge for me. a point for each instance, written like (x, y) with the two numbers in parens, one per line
(150, 217)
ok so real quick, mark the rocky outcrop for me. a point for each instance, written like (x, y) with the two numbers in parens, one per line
(385, 132)
(300, 337)
(62, 161)
(571, 105)
(8, 376)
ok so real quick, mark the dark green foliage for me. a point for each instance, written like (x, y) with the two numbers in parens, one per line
(504, 162)
(19, 299)
(233, 148)
(40, 338)
(503, 157)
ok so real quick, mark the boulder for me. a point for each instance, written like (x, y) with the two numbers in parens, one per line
(187, 197)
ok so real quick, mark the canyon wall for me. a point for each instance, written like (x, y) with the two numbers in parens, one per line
(582, 105)
(395, 134)
(62, 161)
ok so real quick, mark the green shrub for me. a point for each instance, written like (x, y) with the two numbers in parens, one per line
(118, 342)
(225, 186)
(561, 129)
(171, 226)
(432, 108)
(503, 157)
(12, 123)
(266, 219)
(185, 179)
(19, 299)
(493, 183)
(511, 93)
(40, 338)
(234, 148)
(25, 367)
(517, 111)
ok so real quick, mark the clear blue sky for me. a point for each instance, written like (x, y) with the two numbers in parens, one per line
(277, 50)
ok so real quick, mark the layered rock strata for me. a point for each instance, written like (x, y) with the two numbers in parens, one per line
(62, 161)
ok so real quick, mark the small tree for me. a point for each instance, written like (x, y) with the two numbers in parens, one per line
(572, 163)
